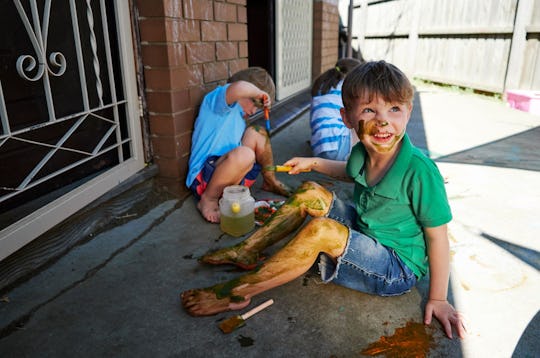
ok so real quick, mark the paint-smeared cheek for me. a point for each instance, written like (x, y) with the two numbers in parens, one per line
(360, 131)
(366, 128)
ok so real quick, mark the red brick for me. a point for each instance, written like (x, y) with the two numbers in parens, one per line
(172, 8)
(237, 32)
(172, 123)
(184, 144)
(199, 52)
(162, 55)
(171, 78)
(186, 30)
(166, 146)
(169, 8)
(158, 29)
(225, 12)
(237, 65)
(150, 8)
(153, 29)
(196, 95)
(215, 71)
(239, 2)
(242, 14)
(198, 9)
(226, 50)
(167, 102)
(213, 31)
(243, 49)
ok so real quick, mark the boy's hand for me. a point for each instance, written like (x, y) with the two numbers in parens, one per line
(447, 315)
(262, 100)
(299, 164)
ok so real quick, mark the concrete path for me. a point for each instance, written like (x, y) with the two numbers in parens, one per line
(117, 295)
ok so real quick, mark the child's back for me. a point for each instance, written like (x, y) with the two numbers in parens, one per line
(330, 138)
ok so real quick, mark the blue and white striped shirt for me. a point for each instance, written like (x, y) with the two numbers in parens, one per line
(327, 127)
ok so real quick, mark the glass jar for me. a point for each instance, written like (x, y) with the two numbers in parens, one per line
(236, 209)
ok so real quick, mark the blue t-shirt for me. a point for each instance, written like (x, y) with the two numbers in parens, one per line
(218, 129)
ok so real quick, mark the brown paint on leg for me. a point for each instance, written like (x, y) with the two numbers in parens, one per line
(260, 139)
(310, 198)
(319, 235)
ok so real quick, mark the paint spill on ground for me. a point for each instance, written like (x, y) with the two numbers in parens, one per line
(410, 341)
(245, 341)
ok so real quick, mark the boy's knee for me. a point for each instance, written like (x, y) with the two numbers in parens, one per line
(242, 156)
(326, 230)
(314, 198)
(257, 130)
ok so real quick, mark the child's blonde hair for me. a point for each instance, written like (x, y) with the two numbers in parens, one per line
(331, 77)
(376, 78)
(259, 77)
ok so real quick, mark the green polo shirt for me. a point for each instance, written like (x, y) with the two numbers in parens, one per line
(409, 197)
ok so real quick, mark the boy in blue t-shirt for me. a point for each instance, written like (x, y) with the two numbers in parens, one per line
(392, 234)
(224, 150)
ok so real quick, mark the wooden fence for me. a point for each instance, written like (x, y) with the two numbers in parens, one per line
(489, 45)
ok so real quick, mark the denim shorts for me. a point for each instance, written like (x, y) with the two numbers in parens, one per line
(365, 265)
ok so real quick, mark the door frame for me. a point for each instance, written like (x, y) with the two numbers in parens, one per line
(32, 226)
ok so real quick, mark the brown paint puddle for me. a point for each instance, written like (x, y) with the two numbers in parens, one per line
(409, 341)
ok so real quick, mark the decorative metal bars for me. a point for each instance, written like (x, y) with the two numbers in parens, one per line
(63, 118)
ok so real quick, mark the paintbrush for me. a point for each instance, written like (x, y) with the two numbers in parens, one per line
(281, 168)
(266, 116)
(232, 323)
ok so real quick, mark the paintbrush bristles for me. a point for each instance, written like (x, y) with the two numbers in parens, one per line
(230, 324)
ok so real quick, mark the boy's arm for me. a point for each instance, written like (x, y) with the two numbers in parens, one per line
(439, 270)
(333, 168)
(243, 89)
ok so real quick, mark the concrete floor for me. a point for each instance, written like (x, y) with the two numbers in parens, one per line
(117, 294)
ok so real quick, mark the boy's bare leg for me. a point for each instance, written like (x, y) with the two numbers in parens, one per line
(257, 138)
(230, 169)
(310, 198)
(319, 235)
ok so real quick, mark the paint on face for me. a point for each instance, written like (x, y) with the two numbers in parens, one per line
(370, 128)
(388, 147)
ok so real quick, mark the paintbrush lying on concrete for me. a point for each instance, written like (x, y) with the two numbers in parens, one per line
(232, 323)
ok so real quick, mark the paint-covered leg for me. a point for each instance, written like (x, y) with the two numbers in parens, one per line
(319, 235)
(247, 254)
(310, 198)
(207, 301)
(257, 138)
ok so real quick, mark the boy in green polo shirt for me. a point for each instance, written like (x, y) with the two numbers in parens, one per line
(394, 233)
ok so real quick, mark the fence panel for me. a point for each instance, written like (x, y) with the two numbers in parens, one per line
(484, 44)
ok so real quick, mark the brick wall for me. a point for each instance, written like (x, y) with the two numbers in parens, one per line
(191, 46)
(325, 35)
(188, 48)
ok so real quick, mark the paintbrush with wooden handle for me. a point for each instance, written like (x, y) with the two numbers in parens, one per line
(281, 168)
(232, 323)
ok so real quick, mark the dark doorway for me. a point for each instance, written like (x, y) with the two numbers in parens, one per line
(261, 35)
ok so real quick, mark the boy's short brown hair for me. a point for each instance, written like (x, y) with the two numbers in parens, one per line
(376, 78)
(257, 76)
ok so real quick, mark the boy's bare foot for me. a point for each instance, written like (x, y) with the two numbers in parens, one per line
(278, 188)
(205, 302)
(234, 256)
(209, 209)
